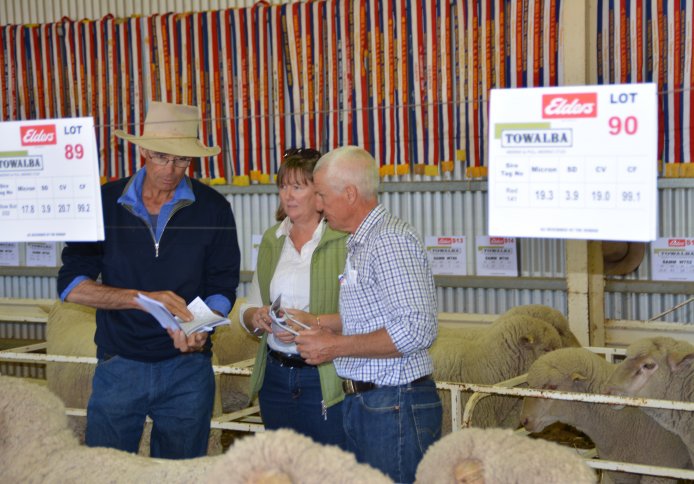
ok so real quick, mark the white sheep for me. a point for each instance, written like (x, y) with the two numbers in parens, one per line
(617, 435)
(294, 457)
(36, 446)
(70, 332)
(548, 315)
(504, 350)
(232, 344)
(545, 313)
(499, 456)
(661, 368)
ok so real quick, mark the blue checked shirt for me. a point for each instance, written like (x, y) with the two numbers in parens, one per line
(388, 284)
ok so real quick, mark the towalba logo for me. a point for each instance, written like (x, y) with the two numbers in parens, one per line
(676, 242)
(577, 105)
(43, 134)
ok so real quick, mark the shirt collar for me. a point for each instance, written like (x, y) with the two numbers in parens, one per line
(286, 226)
(132, 194)
(370, 221)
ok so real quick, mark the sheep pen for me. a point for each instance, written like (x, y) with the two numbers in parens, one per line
(70, 332)
(502, 351)
(661, 368)
(232, 344)
(37, 446)
(618, 435)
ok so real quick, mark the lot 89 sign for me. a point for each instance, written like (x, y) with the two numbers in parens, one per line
(574, 162)
(49, 181)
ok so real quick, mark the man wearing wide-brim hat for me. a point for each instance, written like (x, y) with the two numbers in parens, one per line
(173, 239)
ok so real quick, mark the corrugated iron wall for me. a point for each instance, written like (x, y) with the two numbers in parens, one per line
(31, 287)
(463, 212)
(435, 213)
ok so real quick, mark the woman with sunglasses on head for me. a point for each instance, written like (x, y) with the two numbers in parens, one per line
(299, 260)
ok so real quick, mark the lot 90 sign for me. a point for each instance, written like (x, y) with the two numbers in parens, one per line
(575, 162)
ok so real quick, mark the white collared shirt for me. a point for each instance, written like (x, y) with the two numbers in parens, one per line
(292, 279)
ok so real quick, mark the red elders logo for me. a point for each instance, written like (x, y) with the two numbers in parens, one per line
(676, 242)
(577, 105)
(43, 134)
(497, 240)
(450, 240)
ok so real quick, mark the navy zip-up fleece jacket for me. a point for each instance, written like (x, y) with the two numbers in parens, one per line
(196, 254)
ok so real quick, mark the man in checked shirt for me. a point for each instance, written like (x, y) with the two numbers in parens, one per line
(379, 341)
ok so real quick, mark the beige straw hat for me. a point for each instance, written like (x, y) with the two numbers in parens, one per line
(171, 129)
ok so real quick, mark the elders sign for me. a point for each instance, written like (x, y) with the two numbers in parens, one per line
(49, 181)
(574, 162)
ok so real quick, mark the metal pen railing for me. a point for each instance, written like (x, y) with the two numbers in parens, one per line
(248, 419)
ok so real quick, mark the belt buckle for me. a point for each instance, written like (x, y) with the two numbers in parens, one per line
(348, 387)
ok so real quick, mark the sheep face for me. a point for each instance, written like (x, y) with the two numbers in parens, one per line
(650, 366)
(632, 375)
(538, 413)
(537, 340)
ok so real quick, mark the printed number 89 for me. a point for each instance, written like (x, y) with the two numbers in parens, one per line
(75, 151)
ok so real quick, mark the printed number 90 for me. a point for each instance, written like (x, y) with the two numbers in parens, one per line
(630, 125)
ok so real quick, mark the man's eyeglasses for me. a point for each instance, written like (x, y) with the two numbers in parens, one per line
(163, 160)
(303, 153)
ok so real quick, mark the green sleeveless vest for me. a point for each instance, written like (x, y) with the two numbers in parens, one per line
(327, 262)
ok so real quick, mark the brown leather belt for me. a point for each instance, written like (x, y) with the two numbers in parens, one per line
(288, 359)
(350, 387)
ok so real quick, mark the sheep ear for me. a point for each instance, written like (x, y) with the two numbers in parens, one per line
(576, 376)
(678, 360)
(527, 341)
(579, 381)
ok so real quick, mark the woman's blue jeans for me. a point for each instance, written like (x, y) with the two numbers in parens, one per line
(177, 394)
(291, 398)
(390, 428)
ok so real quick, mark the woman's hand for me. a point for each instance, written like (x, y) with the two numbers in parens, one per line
(300, 320)
(261, 320)
(284, 336)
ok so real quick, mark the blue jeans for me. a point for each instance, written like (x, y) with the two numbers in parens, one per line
(291, 398)
(390, 428)
(177, 394)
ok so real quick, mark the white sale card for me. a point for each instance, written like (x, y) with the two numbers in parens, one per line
(574, 162)
(49, 181)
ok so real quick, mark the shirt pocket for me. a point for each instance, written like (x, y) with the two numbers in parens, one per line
(360, 302)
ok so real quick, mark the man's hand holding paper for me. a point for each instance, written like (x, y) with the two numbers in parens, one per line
(203, 320)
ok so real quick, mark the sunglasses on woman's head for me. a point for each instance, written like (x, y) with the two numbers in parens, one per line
(302, 152)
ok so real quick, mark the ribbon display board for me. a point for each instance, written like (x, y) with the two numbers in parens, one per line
(406, 79)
